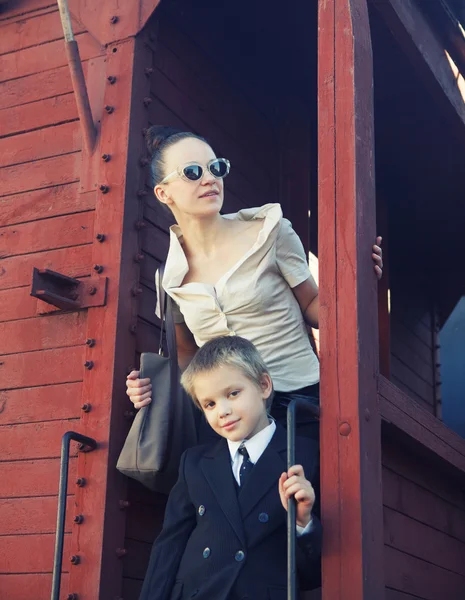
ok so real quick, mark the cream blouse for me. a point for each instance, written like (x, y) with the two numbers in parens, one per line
(253, 299)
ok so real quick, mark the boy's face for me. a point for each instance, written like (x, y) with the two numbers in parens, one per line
(235, 407)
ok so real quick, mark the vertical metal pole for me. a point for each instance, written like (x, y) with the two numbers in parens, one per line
(291, 508)
(61, 512)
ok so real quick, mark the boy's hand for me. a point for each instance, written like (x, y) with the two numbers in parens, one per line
(294, 483)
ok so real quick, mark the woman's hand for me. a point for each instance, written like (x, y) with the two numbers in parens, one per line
(378, 257)
(138, 390)
(294, 483)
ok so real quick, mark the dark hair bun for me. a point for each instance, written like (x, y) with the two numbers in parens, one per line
(157, 135)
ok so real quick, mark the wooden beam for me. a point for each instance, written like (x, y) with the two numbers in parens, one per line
(113, 20)
(398, 409)
(425, 51)
(350, 423)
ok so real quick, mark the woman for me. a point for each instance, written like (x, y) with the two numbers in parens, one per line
(245, 273)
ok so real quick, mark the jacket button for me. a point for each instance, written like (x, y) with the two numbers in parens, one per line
(206, 552)
(239, 556)
(263, 517)
(201, 510)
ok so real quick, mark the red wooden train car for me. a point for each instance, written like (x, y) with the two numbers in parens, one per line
(351, 114)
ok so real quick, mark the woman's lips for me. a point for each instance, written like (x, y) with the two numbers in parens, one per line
(210, 193)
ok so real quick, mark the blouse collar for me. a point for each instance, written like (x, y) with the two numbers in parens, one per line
(176, 261)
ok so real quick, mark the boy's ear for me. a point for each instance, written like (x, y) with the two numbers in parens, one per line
(266, 385)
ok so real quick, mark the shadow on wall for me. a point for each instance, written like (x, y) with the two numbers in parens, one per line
(452, 340)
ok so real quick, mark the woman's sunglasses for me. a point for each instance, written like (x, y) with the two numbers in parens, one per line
(218, 167)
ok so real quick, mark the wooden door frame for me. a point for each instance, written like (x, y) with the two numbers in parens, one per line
(350, 419)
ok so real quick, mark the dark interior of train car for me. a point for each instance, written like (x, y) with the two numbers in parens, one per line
(421, 214)
(243, 75)
(254, 97)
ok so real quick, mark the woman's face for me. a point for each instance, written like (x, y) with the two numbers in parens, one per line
(200, 198)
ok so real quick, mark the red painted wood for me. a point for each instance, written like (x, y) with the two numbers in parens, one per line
(45, 439)
(25, 516)
(422, 541)
(30, 553)
(43, 333)
(27, 586)
(413, 359)
(17, 271)
(397, 409)
(26, 478)
(131, 17)
(49, 202)
(412, 500)
(21, 8)
(396, 595)
(44, 57)
(401, 335)
(36, 236)
(351, 464)
(45, 367)
(34, 30)
(398, 383)
(412, 380)
(421, 579)
(101, 572)
(17, 304)
(418, 329)
(415, 470)
(40, 174)
(28, 405)
(39, 86)
(34, 115)
(43, 143)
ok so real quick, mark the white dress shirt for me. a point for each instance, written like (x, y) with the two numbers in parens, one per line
(256, 445)
(253, 299)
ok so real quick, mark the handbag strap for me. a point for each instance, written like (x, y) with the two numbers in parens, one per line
(163, 305)
(166, 317)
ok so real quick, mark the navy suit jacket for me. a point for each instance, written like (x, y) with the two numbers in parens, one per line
(221, 543)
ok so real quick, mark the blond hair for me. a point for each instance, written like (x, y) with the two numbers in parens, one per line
(227, 351)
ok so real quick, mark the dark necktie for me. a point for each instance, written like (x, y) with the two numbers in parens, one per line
(246, 465)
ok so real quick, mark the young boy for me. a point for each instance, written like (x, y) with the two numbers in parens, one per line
(224, 534)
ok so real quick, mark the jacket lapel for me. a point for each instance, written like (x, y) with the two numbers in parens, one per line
(266, 472)
(216, 466)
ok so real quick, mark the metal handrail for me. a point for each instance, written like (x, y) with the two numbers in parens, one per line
(89, 444)
(294, 403)
(89, 132)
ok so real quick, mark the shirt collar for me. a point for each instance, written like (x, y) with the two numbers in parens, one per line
(256, 445)
(176, 263)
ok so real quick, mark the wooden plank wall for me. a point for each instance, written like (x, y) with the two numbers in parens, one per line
(412, 365)
(424, 528)
(182, 77)
(44, 222)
